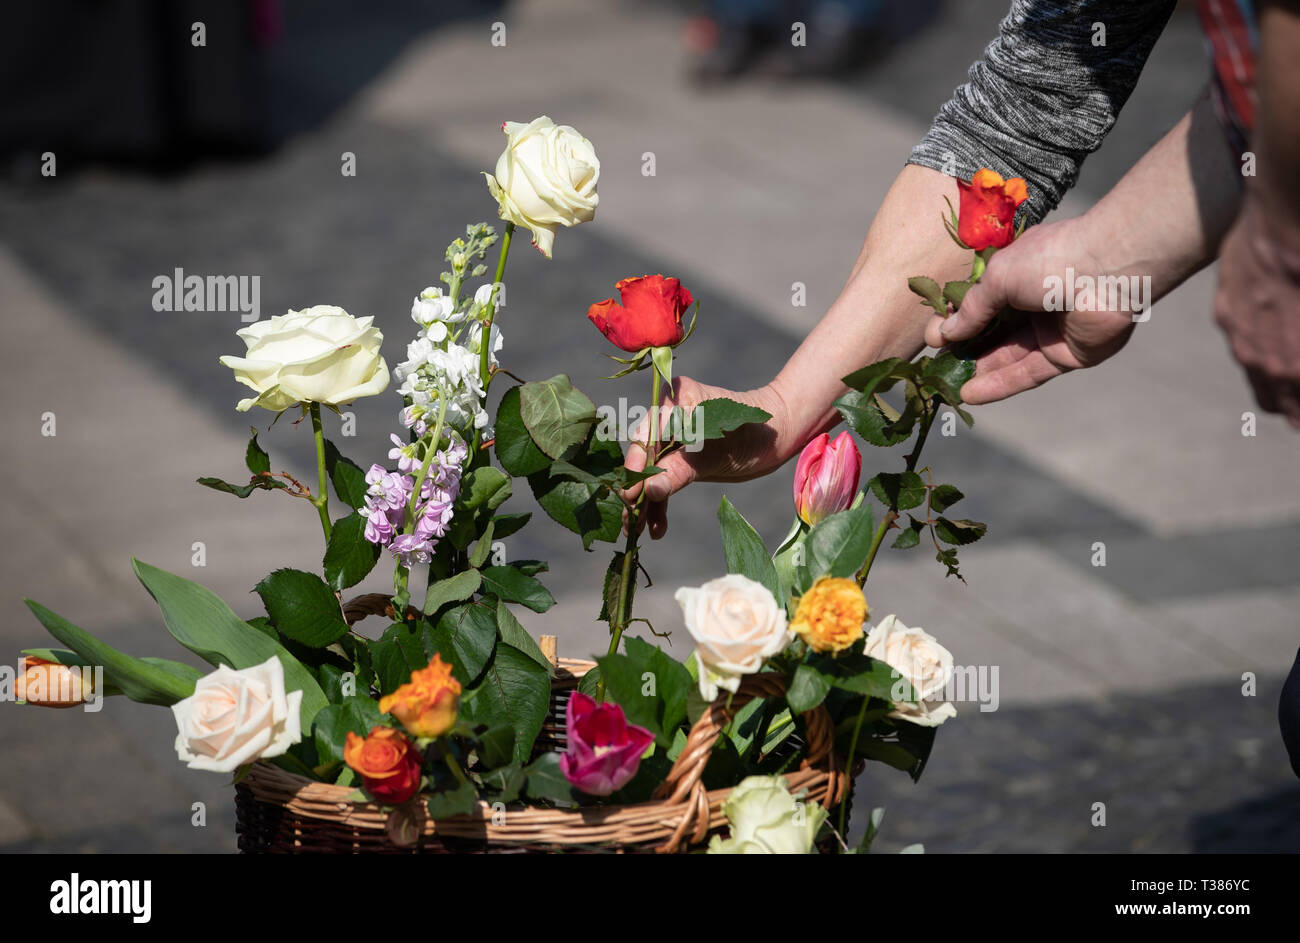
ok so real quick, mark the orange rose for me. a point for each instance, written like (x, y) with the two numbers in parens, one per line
(48, 684)
(426, 706)
(388, 764)
(988, 209)
(830, 615)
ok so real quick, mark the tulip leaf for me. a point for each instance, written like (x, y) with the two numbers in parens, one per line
(302, 607)
(839, 543)
(556, 414)
(515, 691)
(744, 550)
(356, 713)
(146, 681)
(349, 557)
(201, 621)
(347, 477)
(515, 448)
(453, 589)
(898, 491)
(792, 548)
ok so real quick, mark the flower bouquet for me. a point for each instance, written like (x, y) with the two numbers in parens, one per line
(452, 728)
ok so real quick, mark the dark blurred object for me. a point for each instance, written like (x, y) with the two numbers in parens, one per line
(1288, 715)
(793, 38)
(125, 80)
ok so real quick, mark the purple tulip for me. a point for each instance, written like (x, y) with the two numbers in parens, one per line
(604, 749)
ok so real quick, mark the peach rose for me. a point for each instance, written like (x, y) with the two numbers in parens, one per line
(737, 625)
(427, 705)
(235, 717)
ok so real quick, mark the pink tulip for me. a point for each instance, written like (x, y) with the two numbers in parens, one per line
(604, 749)
(826, 477)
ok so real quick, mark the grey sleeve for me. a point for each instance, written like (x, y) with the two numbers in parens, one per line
(1044, 96)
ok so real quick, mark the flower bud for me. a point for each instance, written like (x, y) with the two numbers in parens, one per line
(826, 477)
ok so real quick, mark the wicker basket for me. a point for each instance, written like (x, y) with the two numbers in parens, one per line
(280, 812)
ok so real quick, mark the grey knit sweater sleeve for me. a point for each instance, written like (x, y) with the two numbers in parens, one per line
(1045, 93)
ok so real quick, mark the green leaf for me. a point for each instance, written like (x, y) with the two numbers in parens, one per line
(793, 546)
(405, 648)
(955, 292)
(462, 800)
(483, 547)
(255, 456)
(453, 589)
(943, 497)
(349, 557)
(866, 416)
(839, 543)
(138, 679)
(877, 377)
(930, 293)
(959, 532)
(515, 691)
(348, 478)
(911, 536)
(496, 746)
(556, 414)
(508, 781)
(591, 511)
(243, 491)
(356, 713)
(302, 607)
(515, 448)
(714, 418)
(545, 781)
(899, 491)
(613, 585)
(471, 631)
(663, 361)
(485, 486)
(505, 525)
(650, 686)
(744, 550)
(514, 634)
(808, 688)
(198, 619)
(508, 583)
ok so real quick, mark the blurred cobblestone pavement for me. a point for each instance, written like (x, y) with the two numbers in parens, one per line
(1119, 684)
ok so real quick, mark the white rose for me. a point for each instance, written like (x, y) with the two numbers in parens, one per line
(318, 355)
(736, 624)
(234, 717)
(919, 658)
(766, 820)
(546, 177)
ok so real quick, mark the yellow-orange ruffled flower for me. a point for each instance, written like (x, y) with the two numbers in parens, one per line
(830, 615)
(427, 705)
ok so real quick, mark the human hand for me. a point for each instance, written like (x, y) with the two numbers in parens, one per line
(1033, 345)
(1257, 304)
(748, 452)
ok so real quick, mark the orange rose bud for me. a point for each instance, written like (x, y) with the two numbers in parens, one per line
(988, 209)
(388, 764)
(49, 684)
(830, 615)
(426, 706)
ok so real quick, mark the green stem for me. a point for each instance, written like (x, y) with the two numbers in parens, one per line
(322, 498)
(622, 614)
(892, 514)
(848, 769)
(485, 338)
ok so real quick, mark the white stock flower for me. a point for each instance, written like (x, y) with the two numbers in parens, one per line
(318, 355)
(431, 306)
(766, 820)
(920, 660)
(235, 717)
(546, 177)
(482, 295)
(737, 624)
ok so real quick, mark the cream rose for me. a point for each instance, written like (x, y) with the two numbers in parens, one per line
(766, 820)
(919, 659)
(546, 177)
(321, 354)
(736, 624)
(235, 717)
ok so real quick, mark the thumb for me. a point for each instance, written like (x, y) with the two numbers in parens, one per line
(677, 473)
(982, 302)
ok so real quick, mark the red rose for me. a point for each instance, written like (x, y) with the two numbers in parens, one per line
(650, 315)
(988, 209)
(388, 763)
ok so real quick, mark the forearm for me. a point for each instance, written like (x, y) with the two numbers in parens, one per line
(1168, 215)
(875, 315)
(1275, 191)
